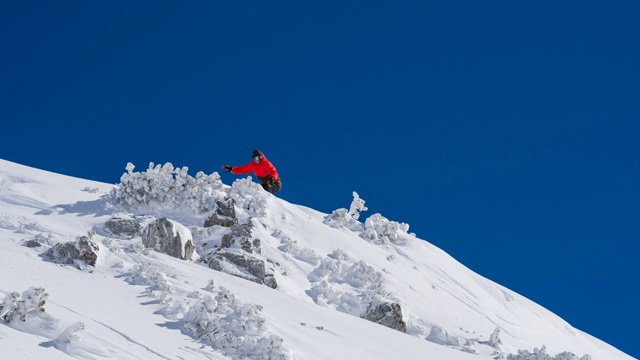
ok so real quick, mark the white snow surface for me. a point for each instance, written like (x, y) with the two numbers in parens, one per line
(139, 304)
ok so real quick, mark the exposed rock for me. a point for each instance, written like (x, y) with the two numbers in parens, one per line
(270, 281)
(227, 240)
(123, 227)
(33, 243)
(245, 266)
(245, 244)
(241, 234)
(387, 314)
(225, 214)
(169, 237)
(82, 249)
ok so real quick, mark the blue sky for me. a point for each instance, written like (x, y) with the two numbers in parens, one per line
(504, 133)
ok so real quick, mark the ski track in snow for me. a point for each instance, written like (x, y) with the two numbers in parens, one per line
(125, 336)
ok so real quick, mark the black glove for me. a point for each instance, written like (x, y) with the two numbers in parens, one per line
(227, 167)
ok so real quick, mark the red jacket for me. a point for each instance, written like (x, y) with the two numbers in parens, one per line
(261, 169)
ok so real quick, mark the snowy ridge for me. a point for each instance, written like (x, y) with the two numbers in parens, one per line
(268, 279)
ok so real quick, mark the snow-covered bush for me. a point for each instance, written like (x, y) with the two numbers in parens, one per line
(235, 328)
(250, 197)
(157, 281)
(291, 246)
(347, 218)
(19, 307)
(68, 336)
(541, 354)
(347, 285)
(357, 205)
(380, 230)
(201, 191)
(168, 186)
(341, 218)
(440, 336)
(494, 339)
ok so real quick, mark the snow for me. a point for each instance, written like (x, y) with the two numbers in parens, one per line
(136, 303)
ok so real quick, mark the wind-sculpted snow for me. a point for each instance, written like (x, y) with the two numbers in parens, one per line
(157, 281)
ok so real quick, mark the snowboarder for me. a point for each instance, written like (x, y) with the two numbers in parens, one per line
(262, 168)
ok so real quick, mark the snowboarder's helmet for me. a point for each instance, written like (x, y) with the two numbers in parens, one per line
(256, 153)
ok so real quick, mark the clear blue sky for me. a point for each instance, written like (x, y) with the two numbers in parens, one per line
(505, 133)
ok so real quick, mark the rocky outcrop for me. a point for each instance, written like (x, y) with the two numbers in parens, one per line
(387, 314)
(240, 237)
(129, 228)
(83, 249)
(225, 214)
(169, 237)
(242, 265)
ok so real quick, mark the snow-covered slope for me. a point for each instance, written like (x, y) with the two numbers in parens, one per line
(136, 303)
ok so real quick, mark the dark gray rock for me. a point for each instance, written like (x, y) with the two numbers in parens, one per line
(241, 234)
(227, 240)
(159, 236)
(225, 214)
(82, 249)
(270, 281)
(123, 227)
(387, 314)
(33, 243)
(253, 267)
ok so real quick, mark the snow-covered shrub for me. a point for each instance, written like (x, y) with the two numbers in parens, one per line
(19, 307)
(69, 335)
(250, 197)
(349, 286)
(157, 281)
(341, 218)
(541, 354)
(291, 246)
(380, 230)
(200, 192)
(357, 205)
(440, 336)
(235, 328)
(361, 275)
(211, 286)
(167, 186)
(347, 218)
(494, 339)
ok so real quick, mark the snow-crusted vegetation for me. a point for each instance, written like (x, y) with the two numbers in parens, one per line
(17, 307)
(236, 328)
(167, 186)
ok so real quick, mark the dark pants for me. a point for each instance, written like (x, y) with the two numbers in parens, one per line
(272, 186)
